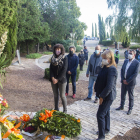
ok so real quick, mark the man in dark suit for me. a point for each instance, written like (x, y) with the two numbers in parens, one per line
(129, 72)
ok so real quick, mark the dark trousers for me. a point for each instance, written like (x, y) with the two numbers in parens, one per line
(103, 117)
(130, 90)
(73, 79)
(59, 88)
(81, 67)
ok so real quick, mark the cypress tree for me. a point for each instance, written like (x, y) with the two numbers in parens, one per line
(92, 30)
(95, 30)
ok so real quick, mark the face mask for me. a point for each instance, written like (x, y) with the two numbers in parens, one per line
(105, 62)
(130, 56)
(57, 52)
(71, 53)
(97, 51)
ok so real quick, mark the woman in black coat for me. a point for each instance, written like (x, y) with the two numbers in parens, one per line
(81, 59)
(105, 89)
(58, 68)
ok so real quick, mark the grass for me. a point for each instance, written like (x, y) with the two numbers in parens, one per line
(47, 53)
(33, 55)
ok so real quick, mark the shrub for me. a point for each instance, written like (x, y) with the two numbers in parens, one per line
(78, 48)
(47, 53)
(107, 42)
(47, 74)
(135, 47)
(33, 55)
(126, 43)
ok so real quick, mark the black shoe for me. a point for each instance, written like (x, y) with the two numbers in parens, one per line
(106, 132)
(129, 111)
(96, 101)
(120, 108)
(100, 139)
(87, 99)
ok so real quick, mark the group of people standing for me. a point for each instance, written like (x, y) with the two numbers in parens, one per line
(101, 71)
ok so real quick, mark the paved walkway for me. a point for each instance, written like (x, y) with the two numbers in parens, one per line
(86, 111)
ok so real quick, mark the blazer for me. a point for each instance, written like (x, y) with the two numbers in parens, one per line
(132, 72)
(59, 72)
(105, 86)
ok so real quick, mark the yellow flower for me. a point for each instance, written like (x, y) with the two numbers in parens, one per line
(20, 136)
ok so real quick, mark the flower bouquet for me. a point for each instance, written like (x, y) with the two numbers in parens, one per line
(57, 123)
(7, 129)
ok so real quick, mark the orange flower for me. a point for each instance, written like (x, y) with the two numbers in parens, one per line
(78, 120)
(25, 118)
(45, 121)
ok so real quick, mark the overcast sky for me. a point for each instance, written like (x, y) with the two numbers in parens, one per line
(90, 10)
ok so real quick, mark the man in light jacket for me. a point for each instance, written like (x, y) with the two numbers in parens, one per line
(129, 72)
(94, 63)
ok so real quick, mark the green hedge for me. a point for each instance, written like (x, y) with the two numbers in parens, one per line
(78, 48)
(135, 47)
(107, 42)
(47, 74)
(34, 55)
(47, 53)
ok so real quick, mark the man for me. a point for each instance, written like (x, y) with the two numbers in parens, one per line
(126, 54)
(137, 53)
(94, 63)
(129, 72)
(85, 53)
(73, 61)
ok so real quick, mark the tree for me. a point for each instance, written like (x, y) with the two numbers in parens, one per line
(92, 30)
(95, 30)
(107, 35)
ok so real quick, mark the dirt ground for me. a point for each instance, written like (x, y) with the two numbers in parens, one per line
(26, 90)
(133, 134)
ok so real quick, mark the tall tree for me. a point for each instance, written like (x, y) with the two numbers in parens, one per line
(95, 30)
(92, 30)
(107, 35)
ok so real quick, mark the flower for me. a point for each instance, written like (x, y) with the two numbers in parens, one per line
(78, 120)
(25, 117)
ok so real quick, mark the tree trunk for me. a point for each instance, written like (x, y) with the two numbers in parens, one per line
(27, 48)
(38, 48)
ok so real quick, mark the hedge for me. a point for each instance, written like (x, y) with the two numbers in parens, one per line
(33, 55)
(47, 74)
(78, 48)
(135, 47)
(107, 42)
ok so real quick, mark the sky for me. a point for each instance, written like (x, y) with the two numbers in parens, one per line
(90, 10)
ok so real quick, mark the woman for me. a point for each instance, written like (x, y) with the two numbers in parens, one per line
(117, 56)
(58, 68)
(105, 89)
(81, 60)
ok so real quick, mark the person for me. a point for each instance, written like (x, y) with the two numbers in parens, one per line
(105, 88)
(81, 59)
(85, 53)
(84, 42)
(137, 54)
(129, 72)
(104, 50)
(94, 63)
(58, 69)
(116, 50)
(72, 69)
(117, 56)
(126, 54)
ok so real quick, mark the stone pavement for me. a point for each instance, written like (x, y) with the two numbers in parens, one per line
(86, 111)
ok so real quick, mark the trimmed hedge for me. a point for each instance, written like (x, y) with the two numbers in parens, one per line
(47, 74)
(34, 55)
(78, 48)
(135, 47)
(107, 42)
(47, 53)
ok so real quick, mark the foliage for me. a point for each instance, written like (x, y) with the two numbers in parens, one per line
(33, 55)
(58, 123)
(47, 53)
(3, 105)
(107, 42)
(107, 35)
(47, 74)
(135, 47)
(126, 41)
(78, 48)
(11, 44)
(92, 30)
(95, 30)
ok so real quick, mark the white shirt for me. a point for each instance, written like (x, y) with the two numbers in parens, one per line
(127, 67)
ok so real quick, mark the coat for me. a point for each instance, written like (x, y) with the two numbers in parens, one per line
(72, 63)
(81, 58)
(132, 72)
(59, 72)
(105, 86)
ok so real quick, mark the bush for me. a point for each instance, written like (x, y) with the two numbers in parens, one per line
(47, 53)
(47, 74)
(78, 48)
(135, 47)
(107, 42)
(33, 55)
(126, 43)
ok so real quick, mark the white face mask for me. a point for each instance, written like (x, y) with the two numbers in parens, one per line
(105, 62)
(130, 56)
